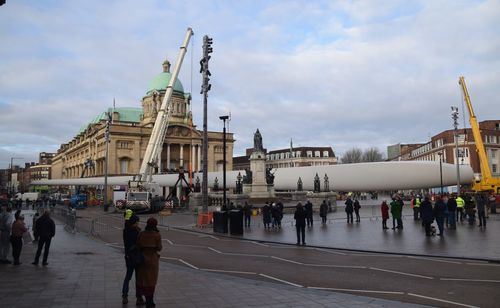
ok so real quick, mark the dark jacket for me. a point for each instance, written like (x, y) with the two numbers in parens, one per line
(130, 234)
(440, 209)
(452, 205)
(309, 208)
(45, 227)
(300, 217)
(348, 206)
(426, 211)
(323, 209)
(357, 206)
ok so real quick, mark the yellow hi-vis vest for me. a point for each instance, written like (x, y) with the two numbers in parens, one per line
(460, 202)
(416, 202)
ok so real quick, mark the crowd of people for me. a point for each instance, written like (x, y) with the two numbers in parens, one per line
(12, 232)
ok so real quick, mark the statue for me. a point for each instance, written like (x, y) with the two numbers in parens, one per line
(327, 183)
(269, 176)
(239, 189)
(317, 184)
(257, 141)
(216, 184)
(299, 184)
(197, 187)
(247, 178)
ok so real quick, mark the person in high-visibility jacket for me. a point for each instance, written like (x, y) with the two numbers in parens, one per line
(416, 207)
(460, 208)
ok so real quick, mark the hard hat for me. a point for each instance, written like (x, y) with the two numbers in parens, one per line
(128, 214)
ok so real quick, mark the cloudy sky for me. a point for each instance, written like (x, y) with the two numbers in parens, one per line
(325, 73)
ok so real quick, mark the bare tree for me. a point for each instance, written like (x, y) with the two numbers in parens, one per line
(352, 156)
(372, 154)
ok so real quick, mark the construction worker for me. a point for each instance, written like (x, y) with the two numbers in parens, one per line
(416, 207)
(460, 208)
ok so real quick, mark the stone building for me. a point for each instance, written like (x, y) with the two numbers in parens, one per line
(129, 132)
(444, 143)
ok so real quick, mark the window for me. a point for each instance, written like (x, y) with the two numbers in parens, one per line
(297, 154)
(325, 154)
(309, 153)
(317, 154)
(123, 166)
(494, 168)
(493, 153)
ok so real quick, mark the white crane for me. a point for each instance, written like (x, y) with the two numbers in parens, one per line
(142, 193)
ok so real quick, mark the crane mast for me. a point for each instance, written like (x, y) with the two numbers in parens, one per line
(142, 192)
(487, 182)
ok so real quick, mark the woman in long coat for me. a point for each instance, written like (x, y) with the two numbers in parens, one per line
(384, 208)
(149, 242)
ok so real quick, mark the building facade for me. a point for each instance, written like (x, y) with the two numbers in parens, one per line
(129, 133)
(444, 143)
(291, 157)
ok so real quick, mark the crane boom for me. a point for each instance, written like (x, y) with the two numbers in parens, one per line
(487, 182)
(160, 127)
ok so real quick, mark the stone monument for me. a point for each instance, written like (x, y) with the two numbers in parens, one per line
(260, 186)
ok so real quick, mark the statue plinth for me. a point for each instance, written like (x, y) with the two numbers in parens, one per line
(259, 186)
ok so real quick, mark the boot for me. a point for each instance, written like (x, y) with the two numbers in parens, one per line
(149, 302)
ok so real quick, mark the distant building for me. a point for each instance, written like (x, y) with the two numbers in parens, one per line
(291, 157)
(444, 142)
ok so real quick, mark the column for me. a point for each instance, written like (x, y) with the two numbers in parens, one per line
(159, 162)
(168, 156)
(181, 155)
(193, 165)
(199, 158)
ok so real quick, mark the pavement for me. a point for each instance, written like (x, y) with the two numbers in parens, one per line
(85, 272)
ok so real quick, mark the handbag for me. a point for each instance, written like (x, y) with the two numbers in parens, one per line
(136, 256)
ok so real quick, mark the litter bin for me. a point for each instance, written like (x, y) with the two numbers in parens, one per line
(236, 222)
(220, 222)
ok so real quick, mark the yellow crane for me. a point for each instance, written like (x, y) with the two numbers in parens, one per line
(487, 182)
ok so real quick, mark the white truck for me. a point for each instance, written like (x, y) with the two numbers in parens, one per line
(32, 196)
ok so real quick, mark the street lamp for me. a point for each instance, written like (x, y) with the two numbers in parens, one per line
(11, 172)
(441, 170)
(224, 118)
(106, 135)
(454, 116)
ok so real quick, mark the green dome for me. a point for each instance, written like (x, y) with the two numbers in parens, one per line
(160, 83)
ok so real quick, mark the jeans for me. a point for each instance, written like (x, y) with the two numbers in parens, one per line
(247, 220)
(482, 218)
(301, 234)
(17, 246)
(451, 219)
(440, 223)
(128, 276)
(43, 242)
(349, 217)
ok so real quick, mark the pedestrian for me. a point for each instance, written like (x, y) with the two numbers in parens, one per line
(396, 212)
(266, 215)
(440, 212)
(452, 209)
(349, 208)
(357, 206)
(427, 215)
(416, 207)
(384, 208)
(33, 227)
(247, 212)
(149, 242)
(6, 221)
(323, 211)
(275, 215)
(460, 208)
(300, 223)
(16, 237)
(130, 235)
(470, 209)
(309, 213)
(46, 229)
(280, 212)
(481, 201)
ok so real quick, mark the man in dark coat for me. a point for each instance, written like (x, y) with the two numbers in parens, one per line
(323, 211)
(130, 234)
(46, 229)
(266, 215)
(452, 208)
(349, 209)
(300, 223)
(309, 213)
(357, 206)
(247, 212)
(440, 212)
(427, 215)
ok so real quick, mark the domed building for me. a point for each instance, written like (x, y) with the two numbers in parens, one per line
(130, 131)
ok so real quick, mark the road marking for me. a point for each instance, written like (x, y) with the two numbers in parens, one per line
(213, 249)
(381, 255)
(187, 245)
(433, 259)
(360, 291)
(442, 300)
(244, 254)
(330, 251)
(225, 271)
(400, 273)
(286, 260)
(169, 241)
(337, 266)
(182, 261)
(210, 236)
(469, 280)
(483, 264)
(281, 280)
(260, 244)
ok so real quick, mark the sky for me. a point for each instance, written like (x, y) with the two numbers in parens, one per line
(322, 73)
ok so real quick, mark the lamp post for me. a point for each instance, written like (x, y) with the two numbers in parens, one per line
(11, 172)
(224, 118)
(441, 170)
(454, 116)
(106, 136)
